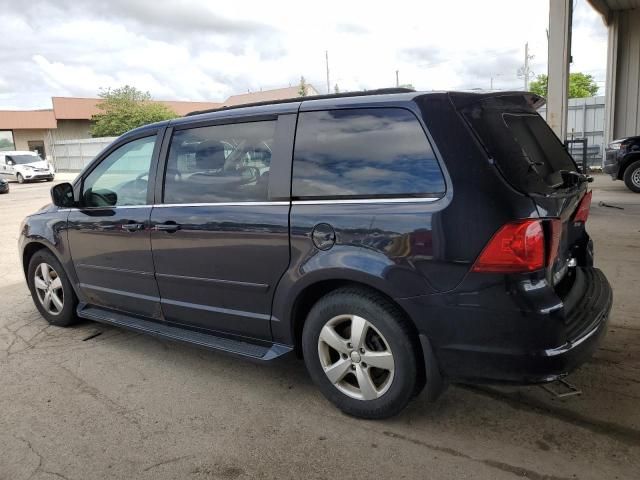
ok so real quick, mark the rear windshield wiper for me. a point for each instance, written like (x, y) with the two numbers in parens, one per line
(572, 178)
(567, 179)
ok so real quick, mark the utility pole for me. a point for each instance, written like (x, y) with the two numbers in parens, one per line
(397, 79)
(326, 58)
(525, 71)
(526, 66)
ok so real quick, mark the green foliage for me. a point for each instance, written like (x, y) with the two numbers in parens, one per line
(126, 108)
(302, 88)
(540, 85)
(580, 85)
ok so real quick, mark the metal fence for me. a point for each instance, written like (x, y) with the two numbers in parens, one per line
(585, 120)
(73, 155)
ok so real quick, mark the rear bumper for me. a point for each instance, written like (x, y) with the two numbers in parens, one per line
(518, 355)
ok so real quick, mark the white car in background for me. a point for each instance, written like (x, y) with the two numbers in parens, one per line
(24, 166)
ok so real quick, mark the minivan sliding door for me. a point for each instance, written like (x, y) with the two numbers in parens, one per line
(220, 236)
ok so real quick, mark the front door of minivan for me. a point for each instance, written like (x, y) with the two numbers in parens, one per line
(109, 233)
(220, 237)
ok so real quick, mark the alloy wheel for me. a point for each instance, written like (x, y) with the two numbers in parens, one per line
(635, 177)
(355, 357)
(49, 289)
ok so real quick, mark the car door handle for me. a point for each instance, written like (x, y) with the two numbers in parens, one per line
(166, 227)
(132, 227)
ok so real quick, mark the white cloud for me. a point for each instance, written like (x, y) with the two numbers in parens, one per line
(190, 50)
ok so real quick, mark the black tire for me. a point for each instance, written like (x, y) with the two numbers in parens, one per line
(396, 335)
(19, 178)
(632, 177)
(67, 315)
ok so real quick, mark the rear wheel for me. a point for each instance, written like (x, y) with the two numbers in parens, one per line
(20, 178)
(632, 177)
(361, 354)
(51, 290)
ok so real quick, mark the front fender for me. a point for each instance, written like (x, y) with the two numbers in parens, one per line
(628, 159)
(47, 229)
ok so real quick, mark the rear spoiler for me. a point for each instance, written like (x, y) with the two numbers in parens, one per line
(464, 99)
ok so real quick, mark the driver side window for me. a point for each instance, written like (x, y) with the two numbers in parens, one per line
(121, 178)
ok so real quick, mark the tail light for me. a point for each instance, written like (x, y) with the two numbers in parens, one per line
(582, 212)
(517, 247)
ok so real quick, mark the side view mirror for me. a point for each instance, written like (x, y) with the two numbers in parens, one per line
(62, 195)
(10, 162)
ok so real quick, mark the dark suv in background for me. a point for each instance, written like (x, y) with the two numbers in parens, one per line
(622, 162)
(396, 240)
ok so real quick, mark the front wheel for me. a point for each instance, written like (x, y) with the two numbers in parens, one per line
(632, 177)
(20, 178)
(360, 352)
(51, 290)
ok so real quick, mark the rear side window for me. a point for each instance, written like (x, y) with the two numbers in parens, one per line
(363, 153)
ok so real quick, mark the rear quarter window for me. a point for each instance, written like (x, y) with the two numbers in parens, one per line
(523, 146)
(363, 153)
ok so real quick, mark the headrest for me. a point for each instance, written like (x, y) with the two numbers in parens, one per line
(210, 156)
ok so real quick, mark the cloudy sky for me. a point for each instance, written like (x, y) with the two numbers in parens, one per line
(208, 50)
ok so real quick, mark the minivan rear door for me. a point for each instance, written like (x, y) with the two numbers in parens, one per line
(532, 159)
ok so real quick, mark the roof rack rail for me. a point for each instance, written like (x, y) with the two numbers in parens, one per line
(379, 91)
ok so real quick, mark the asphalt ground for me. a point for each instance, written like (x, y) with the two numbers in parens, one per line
(124, 405)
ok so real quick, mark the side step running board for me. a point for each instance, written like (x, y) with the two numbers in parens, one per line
(205, 340)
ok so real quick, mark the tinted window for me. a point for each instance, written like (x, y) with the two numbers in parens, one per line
(524, 147)
(221, 163)
(376, 152)
(121, 178)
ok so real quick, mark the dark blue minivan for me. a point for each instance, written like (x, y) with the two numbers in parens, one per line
(396, 240)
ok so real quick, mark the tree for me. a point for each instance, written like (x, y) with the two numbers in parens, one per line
(580, 85)
(540, 85)
(125, 108)
(302, 88)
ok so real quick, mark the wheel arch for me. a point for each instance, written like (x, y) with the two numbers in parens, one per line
(29, 251)
(313, 292)
(31, 248)
(628, 160)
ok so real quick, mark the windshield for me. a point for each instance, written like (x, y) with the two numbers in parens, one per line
(23, 159)
(524, 148)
